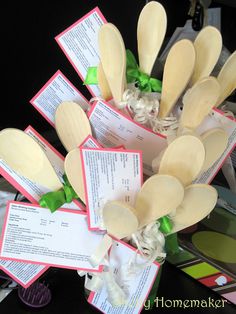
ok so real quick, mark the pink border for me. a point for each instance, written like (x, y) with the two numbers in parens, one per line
(57, 38)
(32, 101)
(84, 175)
(100, 268)
(20, 188)
(28, 283)
(30, 128)
(122, 114)
(92, 293)
(89, 137)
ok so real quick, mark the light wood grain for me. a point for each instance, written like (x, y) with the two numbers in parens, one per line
(178, 70)
(199, 200)
(159, 195)
(73, 170)
(198, 102)
(113, 59)
(119, 219)
(25, 156)
(215, 142)
(72, 124)
(208, 45)
(103, 83)
(183, 158)
(227, 78)
(151, 30)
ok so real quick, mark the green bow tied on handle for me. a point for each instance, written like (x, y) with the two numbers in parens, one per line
(54, 200)
(133, 74)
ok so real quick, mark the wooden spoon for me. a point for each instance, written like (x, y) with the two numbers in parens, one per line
(215, 142)
(208, 45)
(103, 84)
(178, 70)
(113, 59)
(199, 200)
(121, 221)
(151, 31)
(25, 156)
(159, 195)
(72, 124)
(198, 102)
(73, 170)
(227, 78)
(183, 158)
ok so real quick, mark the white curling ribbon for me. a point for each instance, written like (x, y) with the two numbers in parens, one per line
(116, 295)
(141, 105)
(150, 242)
(93, 281)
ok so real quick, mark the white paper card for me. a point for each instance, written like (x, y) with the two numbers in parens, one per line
(229, 125)
(112, 128)
(79, 42)
(109, 174)
(136, 286)
(55, 91)
(62, 239)
(29, 189)
(23, 273)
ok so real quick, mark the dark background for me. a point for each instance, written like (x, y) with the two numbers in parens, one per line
(30, 56)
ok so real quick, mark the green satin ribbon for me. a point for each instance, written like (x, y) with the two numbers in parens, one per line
(54, 200)
(133, 75)
(91, 76)
(165, 224)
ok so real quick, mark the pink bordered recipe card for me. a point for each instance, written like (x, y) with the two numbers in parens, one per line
(79, 42)
(33, 234)
(23, 273)
(109, 174)
(55, 91)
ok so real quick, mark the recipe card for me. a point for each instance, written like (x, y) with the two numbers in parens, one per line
(112, 128)
(54, 92)
(79, 42)
(23, 273)
(109, 175)
(62, 239)
(135, 282)
(31, 190)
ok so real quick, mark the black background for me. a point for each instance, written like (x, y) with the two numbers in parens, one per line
(30, 56)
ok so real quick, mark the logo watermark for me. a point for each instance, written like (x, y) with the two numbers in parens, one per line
(161, 302)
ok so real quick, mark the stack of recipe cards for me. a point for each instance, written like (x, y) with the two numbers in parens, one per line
(111, 226)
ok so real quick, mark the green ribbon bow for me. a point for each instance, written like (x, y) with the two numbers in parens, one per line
(133, 75)
(91, 76)
(165, 224)
(54, 200)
